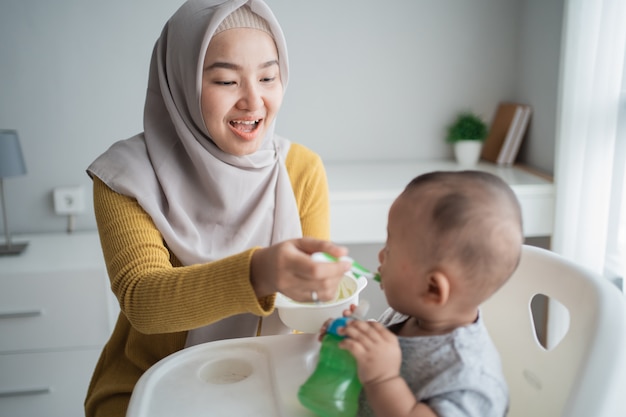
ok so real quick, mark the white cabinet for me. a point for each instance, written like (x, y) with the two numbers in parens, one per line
(362, 192)
(55, 317)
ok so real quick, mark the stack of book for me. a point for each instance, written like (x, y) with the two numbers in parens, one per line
(506, 133)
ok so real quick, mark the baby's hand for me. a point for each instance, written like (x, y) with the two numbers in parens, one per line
(375, 348)
(323, 329)
(348, 311)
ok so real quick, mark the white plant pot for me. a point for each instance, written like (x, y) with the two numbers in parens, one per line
(467, 152)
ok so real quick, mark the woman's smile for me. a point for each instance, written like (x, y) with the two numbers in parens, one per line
(246, 129)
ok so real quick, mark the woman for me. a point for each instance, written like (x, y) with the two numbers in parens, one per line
(202, 216)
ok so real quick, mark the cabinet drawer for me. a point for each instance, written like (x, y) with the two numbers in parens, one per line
(53, 310)
(50, 384)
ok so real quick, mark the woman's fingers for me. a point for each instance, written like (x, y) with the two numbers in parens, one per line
(287, 267)
(309, 246)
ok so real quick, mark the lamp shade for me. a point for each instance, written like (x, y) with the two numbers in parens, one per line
(11, 159)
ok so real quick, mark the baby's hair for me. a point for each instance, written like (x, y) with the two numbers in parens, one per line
(476, 223)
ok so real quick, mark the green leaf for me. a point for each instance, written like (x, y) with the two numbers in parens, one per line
(467, 126)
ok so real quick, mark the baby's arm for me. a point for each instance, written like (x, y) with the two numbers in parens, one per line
(378, 357)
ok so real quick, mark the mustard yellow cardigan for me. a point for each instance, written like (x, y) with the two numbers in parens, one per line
(160, 299)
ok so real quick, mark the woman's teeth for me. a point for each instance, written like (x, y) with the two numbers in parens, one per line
(244, 125)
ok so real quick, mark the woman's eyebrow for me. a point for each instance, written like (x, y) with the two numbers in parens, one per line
(225, 65)
(269, 63)
(231, 66)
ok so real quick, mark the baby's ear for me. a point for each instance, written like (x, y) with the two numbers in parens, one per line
(438, 290)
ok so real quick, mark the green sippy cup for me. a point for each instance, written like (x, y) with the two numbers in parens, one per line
(333, 388)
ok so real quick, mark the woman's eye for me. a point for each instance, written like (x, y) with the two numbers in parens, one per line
(224, 82)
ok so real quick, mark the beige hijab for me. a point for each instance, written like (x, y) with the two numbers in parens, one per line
(207, 204)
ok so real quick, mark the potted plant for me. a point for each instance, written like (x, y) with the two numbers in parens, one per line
(467, 134)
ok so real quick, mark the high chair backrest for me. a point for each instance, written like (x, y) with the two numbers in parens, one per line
(581, 375)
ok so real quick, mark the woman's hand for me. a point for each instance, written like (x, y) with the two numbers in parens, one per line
(287, 268)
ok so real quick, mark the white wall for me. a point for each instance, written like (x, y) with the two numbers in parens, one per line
(537, 84)
(381, 82)
(72, 80)
(369, 80)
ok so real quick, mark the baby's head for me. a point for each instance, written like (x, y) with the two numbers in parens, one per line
(453, 239)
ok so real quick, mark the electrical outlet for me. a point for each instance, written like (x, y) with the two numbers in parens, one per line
(69, 200)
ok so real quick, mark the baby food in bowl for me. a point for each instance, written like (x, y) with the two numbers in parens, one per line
(309, 317)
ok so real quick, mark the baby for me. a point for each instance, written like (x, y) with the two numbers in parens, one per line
(453, 239)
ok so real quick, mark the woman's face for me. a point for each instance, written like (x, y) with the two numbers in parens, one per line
(241, 89)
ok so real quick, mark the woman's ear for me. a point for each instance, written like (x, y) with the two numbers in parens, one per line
(438, 291)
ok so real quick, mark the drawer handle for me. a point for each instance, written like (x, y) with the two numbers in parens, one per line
(25, 391)
(20, 314)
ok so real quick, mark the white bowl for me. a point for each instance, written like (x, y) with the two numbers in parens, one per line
(309, 317)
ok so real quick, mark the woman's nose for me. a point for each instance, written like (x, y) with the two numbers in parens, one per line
(251, 98)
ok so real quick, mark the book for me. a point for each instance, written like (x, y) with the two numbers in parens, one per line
(510, 136)
(506, 133)
(512, 144)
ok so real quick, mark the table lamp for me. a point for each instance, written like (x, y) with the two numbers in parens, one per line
(11, 165)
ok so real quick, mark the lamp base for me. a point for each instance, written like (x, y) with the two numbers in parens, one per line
(12, 249)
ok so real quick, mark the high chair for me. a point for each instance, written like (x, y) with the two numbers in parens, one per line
(579, 377)
(582, 375)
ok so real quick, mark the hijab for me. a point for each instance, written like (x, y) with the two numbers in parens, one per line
(207, 204)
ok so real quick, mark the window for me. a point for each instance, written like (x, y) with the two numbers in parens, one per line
(616, 239)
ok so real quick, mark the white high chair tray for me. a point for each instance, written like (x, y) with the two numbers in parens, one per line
(255, 376)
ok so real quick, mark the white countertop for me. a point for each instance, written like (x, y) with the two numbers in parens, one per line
(55, 251)
(352, 180)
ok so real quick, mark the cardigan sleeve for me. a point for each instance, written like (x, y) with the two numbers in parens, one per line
(155, 293)
(310, 186)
